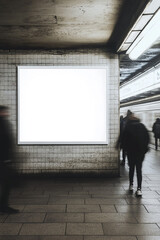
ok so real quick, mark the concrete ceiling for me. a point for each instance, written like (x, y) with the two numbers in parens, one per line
(50, 24)
(26, 24)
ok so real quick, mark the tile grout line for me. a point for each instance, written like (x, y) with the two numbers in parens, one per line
(5, 219)
(100, 208)
(20, 229)
(45, 217)
(158, 225)
(65, 233)
(102, 229)
(145, 208)
(115, 208)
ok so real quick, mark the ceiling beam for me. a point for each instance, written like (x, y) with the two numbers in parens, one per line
(131, 10)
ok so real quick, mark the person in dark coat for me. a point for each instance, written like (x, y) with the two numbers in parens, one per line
(135, 142)
(156, 131)
(6, 157)
(123, 122)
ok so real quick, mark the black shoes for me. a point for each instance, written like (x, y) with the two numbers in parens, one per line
(9, 210)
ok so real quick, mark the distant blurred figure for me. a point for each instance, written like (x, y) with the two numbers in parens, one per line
(123, 122)
(156, 131)
(135, 142)
(6, 157)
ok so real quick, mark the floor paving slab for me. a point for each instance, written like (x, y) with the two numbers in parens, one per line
(26, 217)
(130, 208)
(64, 217)
(148, 237)
(9, 228)
(74, 196)
(83, 208)
(78, 193)
(105, 201)
(84, 229)
(43, 229)
(110, 217)
(110, 196)
(28, 201)
(109, 238)
(42, 237)
(153, 208)
(108, 208)
(45, 208)
(142, 200)
(148, 217)
(123, 229)
(66, 201)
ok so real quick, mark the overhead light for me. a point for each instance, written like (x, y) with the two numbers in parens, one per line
(146, 38)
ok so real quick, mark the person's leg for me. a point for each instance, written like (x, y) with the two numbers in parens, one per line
(123, 155)
(131, 164)
(139, 161)
(156, 145)
(5, 189)
(139, 173)
(4, 207)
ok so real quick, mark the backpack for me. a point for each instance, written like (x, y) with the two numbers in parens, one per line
(141, 138)
(136, 138)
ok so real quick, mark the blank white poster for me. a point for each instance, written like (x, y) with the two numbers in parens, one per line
(62, 105)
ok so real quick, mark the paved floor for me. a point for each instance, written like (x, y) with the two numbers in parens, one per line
(86, 209)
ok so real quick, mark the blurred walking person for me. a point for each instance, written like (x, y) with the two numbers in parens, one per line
(135, 142)
(123, 122)
(156, 131)
(6, 157)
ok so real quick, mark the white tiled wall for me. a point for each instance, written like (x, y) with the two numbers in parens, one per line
(84, 159)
